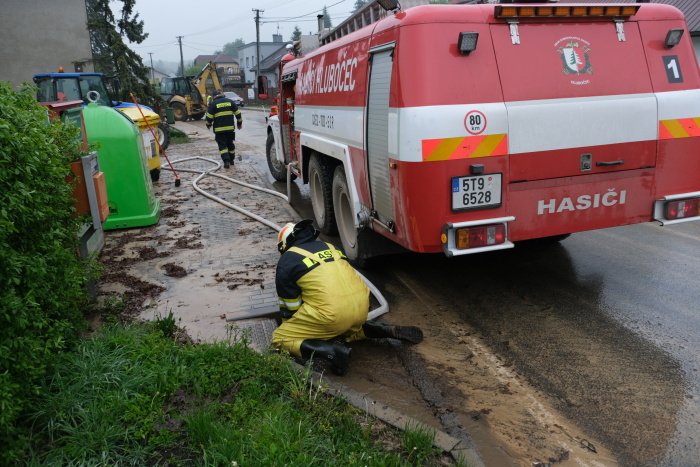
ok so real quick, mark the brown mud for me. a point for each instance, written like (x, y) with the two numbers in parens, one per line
(482, 378)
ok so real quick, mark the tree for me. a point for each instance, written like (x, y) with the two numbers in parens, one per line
(231, 48)
(112, 56)
(359, 4)
(326, 18)
(192, 70)
(296, 34)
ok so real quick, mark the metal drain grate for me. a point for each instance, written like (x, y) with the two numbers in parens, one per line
(257, 331)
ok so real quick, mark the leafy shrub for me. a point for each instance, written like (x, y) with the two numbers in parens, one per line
(42, 281)
(177, 136)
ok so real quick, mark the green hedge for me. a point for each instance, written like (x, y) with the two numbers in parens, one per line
(42, 281)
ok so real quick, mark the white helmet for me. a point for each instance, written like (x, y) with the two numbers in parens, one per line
(289, 230)
(282, 236)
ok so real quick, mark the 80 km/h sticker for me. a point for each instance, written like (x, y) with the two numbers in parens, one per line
(475, 122)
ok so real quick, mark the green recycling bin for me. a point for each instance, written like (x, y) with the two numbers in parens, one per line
(169, 115)
(123, 161)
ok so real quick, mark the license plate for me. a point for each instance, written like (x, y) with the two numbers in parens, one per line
(476, 191)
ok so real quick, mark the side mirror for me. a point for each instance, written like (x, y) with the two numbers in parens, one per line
(263, 87)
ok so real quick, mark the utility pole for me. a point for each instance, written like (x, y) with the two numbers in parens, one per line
(182, 62)
(257, 47)
(153, 78)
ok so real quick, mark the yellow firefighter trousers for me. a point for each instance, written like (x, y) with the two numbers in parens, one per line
(335, 303)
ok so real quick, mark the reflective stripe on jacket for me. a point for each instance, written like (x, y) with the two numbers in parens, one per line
(223, 113)
(321, 278)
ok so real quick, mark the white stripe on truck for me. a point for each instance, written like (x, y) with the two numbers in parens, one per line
(532, 126)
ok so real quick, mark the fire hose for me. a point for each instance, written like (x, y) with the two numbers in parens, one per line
(383, 304)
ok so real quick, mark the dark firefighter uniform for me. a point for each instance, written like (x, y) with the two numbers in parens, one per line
(224, 115)
(320, 294)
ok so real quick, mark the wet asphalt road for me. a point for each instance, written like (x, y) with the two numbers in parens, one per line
(606, 322)
(648, 281)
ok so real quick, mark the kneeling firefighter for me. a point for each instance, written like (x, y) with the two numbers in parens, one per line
(322, 298)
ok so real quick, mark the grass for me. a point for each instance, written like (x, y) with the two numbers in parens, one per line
(132, 396)
(177, 136)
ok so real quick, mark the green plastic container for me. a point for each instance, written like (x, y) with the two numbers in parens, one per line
(169, 116)
(122, 158)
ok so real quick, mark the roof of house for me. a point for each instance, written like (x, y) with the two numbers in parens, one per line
(252, 44)
(219, 58)
(161, 73)
(271, 61)
(691, 10)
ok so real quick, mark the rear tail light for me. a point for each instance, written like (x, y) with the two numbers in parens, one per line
(682, 208)
(579, 11)
(629, 10)
(480, 236)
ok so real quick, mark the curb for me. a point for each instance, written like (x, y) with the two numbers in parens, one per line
(458, 449)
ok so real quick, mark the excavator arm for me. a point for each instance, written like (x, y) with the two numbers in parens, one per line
(207, 80)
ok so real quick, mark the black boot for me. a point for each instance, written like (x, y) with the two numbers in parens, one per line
(337, 354)
(410, 334)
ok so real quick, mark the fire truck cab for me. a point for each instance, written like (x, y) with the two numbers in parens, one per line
(466, 128)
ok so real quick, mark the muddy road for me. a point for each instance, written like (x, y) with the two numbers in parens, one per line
(585, 352)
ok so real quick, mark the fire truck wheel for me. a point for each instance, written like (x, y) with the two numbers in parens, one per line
(344, 216)
(277, 168)
(179, 111)
(320, 185)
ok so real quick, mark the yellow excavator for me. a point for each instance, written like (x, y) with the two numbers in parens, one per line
(187, 95)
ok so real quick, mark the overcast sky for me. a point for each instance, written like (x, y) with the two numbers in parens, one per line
(206, 25)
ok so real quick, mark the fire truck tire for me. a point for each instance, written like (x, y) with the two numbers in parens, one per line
(320, 186)
(344, 216)
(179, 111)
(277, 168)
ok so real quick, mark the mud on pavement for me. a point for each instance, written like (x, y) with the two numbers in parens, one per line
(205, 263)
(202, 262)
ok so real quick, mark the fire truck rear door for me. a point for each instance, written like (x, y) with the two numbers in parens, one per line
(378, 131)
(579, 98)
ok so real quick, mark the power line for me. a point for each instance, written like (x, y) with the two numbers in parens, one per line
(143, 46)
(334, 18)
(197, 49)
(315, 11)
(205, 45)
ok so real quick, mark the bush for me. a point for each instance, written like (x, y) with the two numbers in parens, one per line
(42, 281)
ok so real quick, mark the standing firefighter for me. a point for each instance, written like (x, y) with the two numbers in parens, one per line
(221, 112)
(322, 298)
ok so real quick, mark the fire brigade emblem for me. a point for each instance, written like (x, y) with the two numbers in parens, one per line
(575, 56)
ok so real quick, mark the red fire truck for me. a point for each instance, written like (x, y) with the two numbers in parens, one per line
(466, 128)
